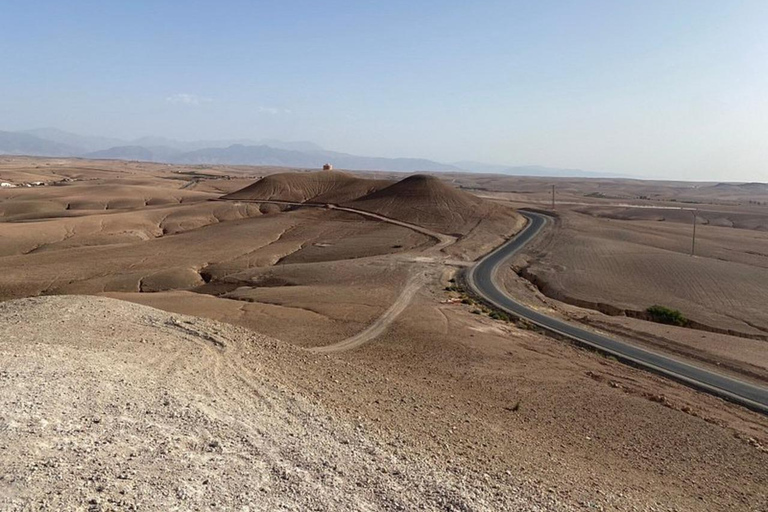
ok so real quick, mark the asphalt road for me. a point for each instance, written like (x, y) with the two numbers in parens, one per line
(482, 279)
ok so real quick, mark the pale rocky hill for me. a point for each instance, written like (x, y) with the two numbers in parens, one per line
(107, 405)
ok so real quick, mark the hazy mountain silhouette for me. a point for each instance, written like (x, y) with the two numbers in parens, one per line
(239, 154)
(150, 154)
(55, 142)
(82, 142)
(16, 143)
(531, 170)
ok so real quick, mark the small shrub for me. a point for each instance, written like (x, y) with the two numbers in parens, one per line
(467, 300)
(476, 312)
(525, 325)
(665, 315)
(499, 315)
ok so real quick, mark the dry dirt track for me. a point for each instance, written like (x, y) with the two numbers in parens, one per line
(443, 240)
(179, 413)
(409, 291)
(413, 285)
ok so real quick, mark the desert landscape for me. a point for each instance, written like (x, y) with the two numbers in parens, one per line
(619, 248)
(200, 337)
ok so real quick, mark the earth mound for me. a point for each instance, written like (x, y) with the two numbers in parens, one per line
(312, 187)
(419, 199)
(430, 202)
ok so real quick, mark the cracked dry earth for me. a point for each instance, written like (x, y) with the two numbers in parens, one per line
(107, 405)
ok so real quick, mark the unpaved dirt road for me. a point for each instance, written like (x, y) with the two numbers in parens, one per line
(107, 405)
(414, 284)
(443, 240)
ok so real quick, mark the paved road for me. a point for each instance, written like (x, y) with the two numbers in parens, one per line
(481, 278)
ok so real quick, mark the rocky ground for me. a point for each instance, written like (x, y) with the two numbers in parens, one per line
(107, 405)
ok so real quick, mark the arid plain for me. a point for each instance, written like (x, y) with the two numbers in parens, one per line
(321, 355)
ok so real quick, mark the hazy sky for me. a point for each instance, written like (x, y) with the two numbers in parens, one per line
(668, 88)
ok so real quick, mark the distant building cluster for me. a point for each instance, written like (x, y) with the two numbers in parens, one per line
(6, 184)
(327, 167)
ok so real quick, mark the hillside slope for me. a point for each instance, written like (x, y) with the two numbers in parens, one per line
(430, 202)
(312, 187)
(419, 199)
(180, 413)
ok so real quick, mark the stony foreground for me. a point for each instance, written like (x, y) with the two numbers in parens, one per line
(106, 405)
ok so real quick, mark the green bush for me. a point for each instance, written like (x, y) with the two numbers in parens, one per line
(665, 315)
(499, 315)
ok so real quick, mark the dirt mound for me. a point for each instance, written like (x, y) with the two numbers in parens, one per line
(419, 199)
(313, 187)
(429, 202)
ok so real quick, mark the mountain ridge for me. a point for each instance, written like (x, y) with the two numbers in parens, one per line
(53, 142)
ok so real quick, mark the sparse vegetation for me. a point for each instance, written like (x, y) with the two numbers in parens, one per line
(526, 325)
(500, 315)
(479, 308)
(665, 315)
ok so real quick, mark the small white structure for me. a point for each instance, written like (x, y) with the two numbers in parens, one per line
(327, 167)
(5, 184)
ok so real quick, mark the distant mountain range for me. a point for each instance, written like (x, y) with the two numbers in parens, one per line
(55, 142)
(531, 170)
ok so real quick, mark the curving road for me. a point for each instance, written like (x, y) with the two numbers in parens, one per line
(482, 279)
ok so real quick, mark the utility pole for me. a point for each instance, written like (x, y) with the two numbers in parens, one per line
(553, 197)
(693, 238)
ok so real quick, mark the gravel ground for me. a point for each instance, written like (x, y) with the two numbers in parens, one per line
(107, 405)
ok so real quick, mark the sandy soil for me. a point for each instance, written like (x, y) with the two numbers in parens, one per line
(591, 269)
(634, 265)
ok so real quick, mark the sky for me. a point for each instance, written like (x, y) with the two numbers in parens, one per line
(672, 89)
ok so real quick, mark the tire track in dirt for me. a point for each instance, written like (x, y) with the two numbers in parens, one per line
(443, 240)
(414, 284)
